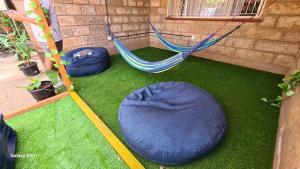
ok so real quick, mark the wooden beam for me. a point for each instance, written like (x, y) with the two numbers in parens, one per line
(120, 148)
(34, 106)
(51, 43)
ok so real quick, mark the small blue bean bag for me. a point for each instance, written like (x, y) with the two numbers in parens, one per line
(97, 62)
(171, 123)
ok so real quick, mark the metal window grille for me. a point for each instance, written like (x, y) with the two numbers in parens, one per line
(224, 8)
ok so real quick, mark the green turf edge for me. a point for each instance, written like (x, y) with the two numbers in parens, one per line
(252, 125)
(59, 135)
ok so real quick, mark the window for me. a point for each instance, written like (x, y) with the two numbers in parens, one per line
(214, 8)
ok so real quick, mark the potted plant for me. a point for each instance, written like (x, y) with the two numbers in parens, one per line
(23, 50)
(17, 44)
(40, 90)
(211, 8)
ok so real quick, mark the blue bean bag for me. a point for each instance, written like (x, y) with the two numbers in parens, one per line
(95, 63)
(171, 123)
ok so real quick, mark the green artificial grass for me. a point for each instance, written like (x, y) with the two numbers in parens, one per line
(252, 125)
(58, 136)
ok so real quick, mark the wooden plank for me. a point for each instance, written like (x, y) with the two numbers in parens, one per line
(51, 43)
(120, 148)
(34, 106)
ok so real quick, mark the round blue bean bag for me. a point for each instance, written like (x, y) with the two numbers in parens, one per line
(95, 62)
(171, 123)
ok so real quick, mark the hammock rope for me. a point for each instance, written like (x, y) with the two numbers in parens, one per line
(184, 51)
(178, 48)
(155, 67)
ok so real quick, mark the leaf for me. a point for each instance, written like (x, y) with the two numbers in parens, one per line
(29, 12)
(35, 84)
(54, 52)
(72, 87)
(278, 98)
(32, 5)
(264, 99)
(55, 65)
(290, 93)
(48, 54)
(63, 62)
(41, 26)
(45, 10)
(275, 104)
(283, 86)
(38, 18)
(61, 53)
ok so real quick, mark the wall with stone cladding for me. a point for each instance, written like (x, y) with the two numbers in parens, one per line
(270, 45)
(83, 22)
(287, 153)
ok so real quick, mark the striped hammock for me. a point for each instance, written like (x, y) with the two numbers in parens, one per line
(177, 48)
(166, 64)
(159, 66)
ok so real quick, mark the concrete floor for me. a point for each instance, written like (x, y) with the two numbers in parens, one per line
(11, 97)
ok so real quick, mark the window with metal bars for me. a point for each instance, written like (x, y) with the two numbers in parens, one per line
(214, 8)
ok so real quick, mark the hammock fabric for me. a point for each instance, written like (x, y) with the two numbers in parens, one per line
(159, 66)
(177, 48)
(185, 51)
(166, 64)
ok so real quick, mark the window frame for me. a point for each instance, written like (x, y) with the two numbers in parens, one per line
(256, 18)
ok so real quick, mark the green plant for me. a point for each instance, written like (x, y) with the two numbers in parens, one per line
(47, 15)
(8, 25)
(6, 42)
(288, 87)
(17, 44)
(22, 47)
(38, 19)
(214, 2)
(5, 20)
(35, 84)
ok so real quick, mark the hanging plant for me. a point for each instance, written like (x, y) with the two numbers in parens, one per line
(288, 87)
(47, 15)
(39, 18)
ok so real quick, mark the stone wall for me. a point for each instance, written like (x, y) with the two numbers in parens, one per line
(270, 45)
(287, 154)
(83, 22)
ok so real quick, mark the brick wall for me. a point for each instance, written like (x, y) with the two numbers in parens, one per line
(83, 22)
(270, 45)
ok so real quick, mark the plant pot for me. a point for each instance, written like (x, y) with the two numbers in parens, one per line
(30, 69)
(45, 91)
